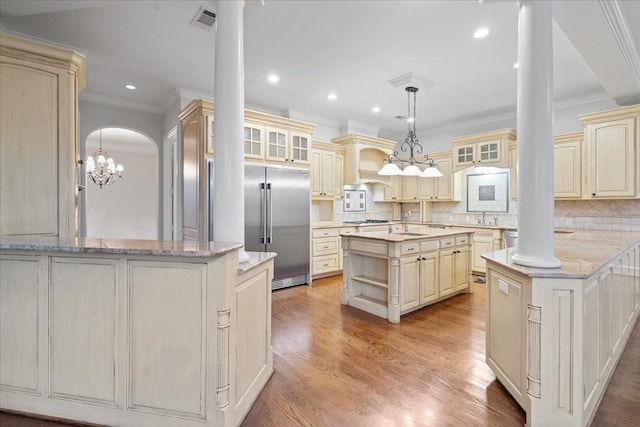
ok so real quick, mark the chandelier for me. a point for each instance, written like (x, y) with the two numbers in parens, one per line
(412, 150)
(101, 168)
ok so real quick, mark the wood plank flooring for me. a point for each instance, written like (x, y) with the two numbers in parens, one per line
(338, 366)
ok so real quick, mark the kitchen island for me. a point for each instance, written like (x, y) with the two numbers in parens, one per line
(554, 336)
(133, 332)
(391, 274)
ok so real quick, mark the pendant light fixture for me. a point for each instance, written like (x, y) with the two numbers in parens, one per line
(101, 168)
(412, 150)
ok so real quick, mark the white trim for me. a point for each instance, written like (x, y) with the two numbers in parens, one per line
(582, 100)
(173, 97)
(296, 115)
(194, 94)
(624, 37)
(113, 102)
(82, 52)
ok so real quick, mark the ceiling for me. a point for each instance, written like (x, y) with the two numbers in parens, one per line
(352, 48)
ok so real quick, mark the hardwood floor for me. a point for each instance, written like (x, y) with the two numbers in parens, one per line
(338, 366)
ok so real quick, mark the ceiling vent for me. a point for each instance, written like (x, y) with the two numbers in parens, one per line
(204, 19)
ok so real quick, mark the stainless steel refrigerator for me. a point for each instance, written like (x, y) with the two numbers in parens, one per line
(277, 219)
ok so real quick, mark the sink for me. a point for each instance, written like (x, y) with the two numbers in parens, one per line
(412, 234)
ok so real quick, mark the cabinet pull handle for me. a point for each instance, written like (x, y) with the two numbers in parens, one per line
(326, 265)
(325, 247)
(424, 259)
(409, 249)
(418, 259)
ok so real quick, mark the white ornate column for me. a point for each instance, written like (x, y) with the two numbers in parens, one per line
(535, 136)
(228, 192)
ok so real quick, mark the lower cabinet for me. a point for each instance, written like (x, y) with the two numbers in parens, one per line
(427, 274)
(326, 251)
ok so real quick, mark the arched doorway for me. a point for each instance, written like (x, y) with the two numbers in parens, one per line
(127, 208)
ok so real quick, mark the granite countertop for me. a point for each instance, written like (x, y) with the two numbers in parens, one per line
(118, 246)
(399, 237)
(434, 224)
(582, 253)
(255, 259)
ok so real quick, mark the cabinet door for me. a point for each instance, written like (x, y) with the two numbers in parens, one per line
(567, 170)
(489, 152)
(315, 170)
(429, 277)
(277, 145)
(481, 245)
(461, 268)
(410, 282)
(426, 188)
(410, 187)
(513, 166)
(444, 184)
(299, 145)
(446, 272)
(328, 173)
(394, 192)
(611, 159)
(464, 155)
(253, 141)
(208, 134)
(339, 176)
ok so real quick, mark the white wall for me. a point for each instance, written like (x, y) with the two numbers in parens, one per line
(94, 116)
(127, 208)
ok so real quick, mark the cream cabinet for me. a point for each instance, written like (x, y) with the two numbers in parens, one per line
(567, 166)
(454, 264)
(484, 240)
(485, 149)
(254, 141)
(441, 188)
(391, 192)
(418, 274)
(611, 153)
(513, 169)
(339, 175)
(326, 250)
(410, 186)
(195, 122)
(39, 86)
(285, 146)
(323, 167)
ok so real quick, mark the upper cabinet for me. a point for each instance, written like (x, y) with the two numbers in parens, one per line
(484, 149)
(363, 158)
(442, 188)
(326, 159)
(611, 153)
(567, 166)
(275, 139)
(39, 151)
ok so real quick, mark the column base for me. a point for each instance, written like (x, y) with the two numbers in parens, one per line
(532, 261)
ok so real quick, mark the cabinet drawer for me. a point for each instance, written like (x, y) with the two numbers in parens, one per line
(325, 232)
(348, 230)
(430, 245)
(325, 264)
(409, 248)
(325, 246)
(447, 243)
(462, 240)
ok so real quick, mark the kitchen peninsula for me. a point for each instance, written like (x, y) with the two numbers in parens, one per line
(554, 336)
(391, 274)
(133, 332)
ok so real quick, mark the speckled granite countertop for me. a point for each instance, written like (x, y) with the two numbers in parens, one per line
(433, 224)
(400, 237)
(255, 259)
(118, 246)
(582, 254)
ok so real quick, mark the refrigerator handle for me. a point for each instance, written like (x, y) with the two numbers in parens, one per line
(263, 214)
(269, 214)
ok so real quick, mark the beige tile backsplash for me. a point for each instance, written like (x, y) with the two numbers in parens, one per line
(614, 215)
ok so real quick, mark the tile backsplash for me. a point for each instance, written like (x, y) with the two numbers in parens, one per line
(616, 215)
(373, 210)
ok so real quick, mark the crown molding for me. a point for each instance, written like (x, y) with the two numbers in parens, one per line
(296, 115)
(113, 102)
(624, 37)
(194, 94)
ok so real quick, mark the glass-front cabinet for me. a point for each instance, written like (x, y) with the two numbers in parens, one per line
(253, 141)
(486, 149)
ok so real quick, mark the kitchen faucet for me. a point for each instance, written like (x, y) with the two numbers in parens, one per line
(407, 214)
(482, 221)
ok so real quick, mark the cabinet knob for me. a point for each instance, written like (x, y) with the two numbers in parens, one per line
(424, 259)
(593, 194)
(418, 259)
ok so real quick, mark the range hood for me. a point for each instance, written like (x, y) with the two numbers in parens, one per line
(372, 177)
(364, 156)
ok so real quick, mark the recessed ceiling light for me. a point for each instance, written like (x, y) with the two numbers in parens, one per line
(480, 33)
(130, 87)
(332, 96)
(273, 78)
(516, 65)
(375, 109)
